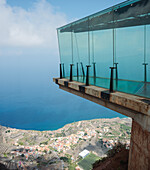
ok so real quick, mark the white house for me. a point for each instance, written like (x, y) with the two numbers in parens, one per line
(84, 153)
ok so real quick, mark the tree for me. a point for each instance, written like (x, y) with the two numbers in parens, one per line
(85, 134)
(45, 151)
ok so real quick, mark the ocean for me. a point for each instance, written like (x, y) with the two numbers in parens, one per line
(30, 100)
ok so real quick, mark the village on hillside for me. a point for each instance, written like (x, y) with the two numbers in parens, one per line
(65, 147)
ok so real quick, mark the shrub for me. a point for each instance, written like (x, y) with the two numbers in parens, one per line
(117, 148)
(20, 143)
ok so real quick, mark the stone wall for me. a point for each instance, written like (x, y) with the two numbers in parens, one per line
(139, 156)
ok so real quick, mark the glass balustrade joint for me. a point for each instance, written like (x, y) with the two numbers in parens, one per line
(145, 71)
(82, 69)
(145, 64)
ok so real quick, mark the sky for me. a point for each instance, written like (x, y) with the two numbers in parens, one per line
(28, 27)
(29, 59)
(32, 23)
(72, 9)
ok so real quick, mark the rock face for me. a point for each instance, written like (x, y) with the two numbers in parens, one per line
(2, 167)
(139, 156)
(118, 161)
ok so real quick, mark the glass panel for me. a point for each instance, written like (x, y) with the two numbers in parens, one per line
(103, 53)
(101, 50)
(148, 51)
(130, 53)
(80, 50)
(118, 36)
(65, 51)
(92, 54)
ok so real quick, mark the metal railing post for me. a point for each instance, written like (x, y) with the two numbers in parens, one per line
(87, 75)
(63, 70)
(111, 80)
(60, 72)
(71, 65)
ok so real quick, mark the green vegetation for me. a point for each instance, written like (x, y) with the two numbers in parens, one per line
(60, 135)
(110, 137)
(119, 146)
(31, 143)
(51, 148)
(7, 131)
(65, 159)
(50, 152)
(73, 146)
(72, 166)
(44, 143)
(20, 143)
(45, 151)
(27, 139)
(88, 161)
(114, 132)
(5, 155)
(69, 129)
(68, 156)
(124, 127)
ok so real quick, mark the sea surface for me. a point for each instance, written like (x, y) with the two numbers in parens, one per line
(30, 100)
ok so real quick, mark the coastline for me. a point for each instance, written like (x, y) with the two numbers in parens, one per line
(67, 124)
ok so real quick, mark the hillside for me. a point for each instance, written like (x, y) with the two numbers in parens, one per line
(47, 148)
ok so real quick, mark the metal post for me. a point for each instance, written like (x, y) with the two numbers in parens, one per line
(82, 70)
(145, 71)
(111, 79)
(60, 72)
(71, 72)
(72, 43)
(63, 70)
(87, 75)
(89, 40)
(77, 71)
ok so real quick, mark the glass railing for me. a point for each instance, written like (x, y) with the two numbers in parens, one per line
(117, 37)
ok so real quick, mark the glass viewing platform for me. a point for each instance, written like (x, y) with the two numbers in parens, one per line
(109, 49)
